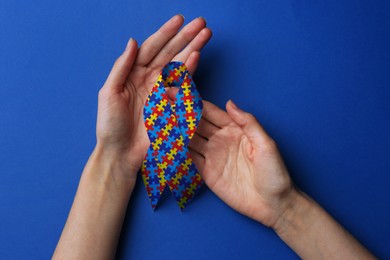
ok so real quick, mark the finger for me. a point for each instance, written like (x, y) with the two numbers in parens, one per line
(215, 115)
(198, 159)
(195, 45)
(122, 67)
(206, 129)
(192, 62)
(178, 42)
(247, 122)
(172, 93)
(198, 144)
(156, 42)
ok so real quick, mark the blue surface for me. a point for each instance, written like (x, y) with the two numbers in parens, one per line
(317, 75)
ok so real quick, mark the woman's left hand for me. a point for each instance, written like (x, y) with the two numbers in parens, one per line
(120, 127)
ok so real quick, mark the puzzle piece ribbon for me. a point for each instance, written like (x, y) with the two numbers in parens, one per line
(170, 127)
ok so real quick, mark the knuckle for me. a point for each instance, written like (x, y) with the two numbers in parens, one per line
(169, 51)
(152, 48)
(187, 36)
(117, 61)
(205, 114)
(101, 92)
(269, 145)
(250, 117)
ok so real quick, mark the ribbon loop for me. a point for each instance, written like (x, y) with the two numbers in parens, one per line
(170, 128)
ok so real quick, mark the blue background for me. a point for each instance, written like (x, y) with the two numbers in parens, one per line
(317, 76)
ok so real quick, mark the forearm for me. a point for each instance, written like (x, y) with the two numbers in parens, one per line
(313, 234)
(95, 220)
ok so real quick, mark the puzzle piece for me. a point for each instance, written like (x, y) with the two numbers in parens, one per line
(170, 128)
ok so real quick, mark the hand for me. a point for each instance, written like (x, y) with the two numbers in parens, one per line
(120, 126)
(241, 164)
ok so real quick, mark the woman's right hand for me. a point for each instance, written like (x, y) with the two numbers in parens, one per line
(241, 164)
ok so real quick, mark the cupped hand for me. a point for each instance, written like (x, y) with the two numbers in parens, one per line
(241, 164)
(120, 127)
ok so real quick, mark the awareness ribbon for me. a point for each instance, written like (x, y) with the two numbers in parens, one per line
(170, 127)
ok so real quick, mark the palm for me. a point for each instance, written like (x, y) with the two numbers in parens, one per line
(121, 101)
(228, 169)
(137, 87)
(245, 172)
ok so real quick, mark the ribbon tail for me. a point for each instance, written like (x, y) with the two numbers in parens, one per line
(153, 179)
(187, 181)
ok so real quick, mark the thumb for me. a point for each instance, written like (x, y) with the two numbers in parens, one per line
(122, 67)
(247, 122)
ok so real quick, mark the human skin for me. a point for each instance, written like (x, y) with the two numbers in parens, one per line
(237, 159)
(241, 164)
(93, 226)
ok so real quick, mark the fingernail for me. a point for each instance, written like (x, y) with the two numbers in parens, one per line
(129, 43)
(203, 19)
(232, 104)
(235, 107)
(177, 18)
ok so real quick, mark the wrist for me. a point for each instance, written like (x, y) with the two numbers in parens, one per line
(294, 213)
(98, 209)
(122, 159)
(110, 168)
